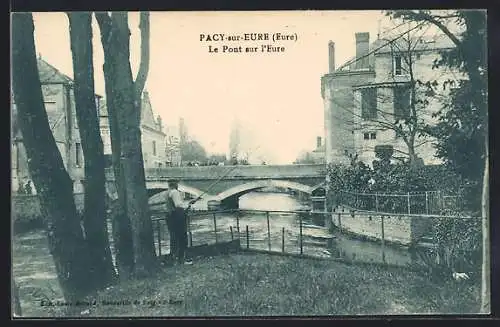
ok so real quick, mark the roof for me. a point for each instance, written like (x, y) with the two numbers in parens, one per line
(51, 75)
(147, 115)
(379, 46)
(435, 42)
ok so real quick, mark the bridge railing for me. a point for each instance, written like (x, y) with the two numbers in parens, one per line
(309, 233)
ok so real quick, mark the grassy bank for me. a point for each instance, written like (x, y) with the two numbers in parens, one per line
(249, 285)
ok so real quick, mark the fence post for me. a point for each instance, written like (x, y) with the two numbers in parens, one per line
(248, 241)
(300, 233)
(268, 232)
(426, 202)
(409, 210)
(231, 229)
(383, 238)
(283, 239)
(190, 239)
(215, 228)
(376, 202)
(159, 237)
(238, 222)
(340, 222)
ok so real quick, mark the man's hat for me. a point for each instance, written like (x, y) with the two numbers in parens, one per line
(173, 181)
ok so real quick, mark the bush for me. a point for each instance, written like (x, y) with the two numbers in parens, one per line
(458, 239)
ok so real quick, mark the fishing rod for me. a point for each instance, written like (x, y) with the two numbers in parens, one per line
(216, 182)
(211, 185)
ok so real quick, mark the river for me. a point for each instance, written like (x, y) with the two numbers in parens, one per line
(284, 231)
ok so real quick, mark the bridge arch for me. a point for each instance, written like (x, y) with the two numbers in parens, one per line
(158, 187)
(251, 186)
(156, 196)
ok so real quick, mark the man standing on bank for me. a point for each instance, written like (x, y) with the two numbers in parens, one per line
(177, 222)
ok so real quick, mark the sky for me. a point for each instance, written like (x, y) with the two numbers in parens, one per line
(276, 97)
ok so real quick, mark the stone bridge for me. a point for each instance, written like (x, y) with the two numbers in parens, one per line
(223, 185)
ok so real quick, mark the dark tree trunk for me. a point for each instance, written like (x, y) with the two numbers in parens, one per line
(122, 230)
(16, 303)
(52, 182)
(131, 149)
(122, 93)
(96, 232)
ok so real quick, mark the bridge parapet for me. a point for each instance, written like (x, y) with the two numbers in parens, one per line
(233, 172)
(236, 172)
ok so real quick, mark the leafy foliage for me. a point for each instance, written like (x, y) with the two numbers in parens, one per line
(193, 151)
(461, 131)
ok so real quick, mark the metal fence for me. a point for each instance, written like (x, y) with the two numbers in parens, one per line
(256, 229)
(301, 233)
(429, 202)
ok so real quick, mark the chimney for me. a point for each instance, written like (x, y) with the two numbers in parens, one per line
(362, 49)
(331, 56)
(318, 141)
(159, 123)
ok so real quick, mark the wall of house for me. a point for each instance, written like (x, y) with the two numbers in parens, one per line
(76, 166)
(61, 111)
(339, 107)
(422, 69)
(152, 158)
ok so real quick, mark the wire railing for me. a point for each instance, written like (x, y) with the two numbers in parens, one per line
(316, 234)
(429, 202)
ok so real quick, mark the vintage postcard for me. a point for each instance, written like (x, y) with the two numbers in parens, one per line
(260, 163)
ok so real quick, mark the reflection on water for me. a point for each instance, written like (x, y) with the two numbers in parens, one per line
(284, 231)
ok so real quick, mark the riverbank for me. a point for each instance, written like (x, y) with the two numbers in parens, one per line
(249, 285)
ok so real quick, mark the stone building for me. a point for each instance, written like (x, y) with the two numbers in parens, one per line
(153, 137)
(57, 89)
(372, 87)
(58, 96)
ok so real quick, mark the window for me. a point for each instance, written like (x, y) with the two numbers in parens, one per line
(78, 154)
(154, 148)
(369, 103)
(398, 65)
(401, 102)
(370, 136)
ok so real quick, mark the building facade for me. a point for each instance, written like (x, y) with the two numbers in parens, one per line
(364, 97)
(153, 137)
(58, 96)
(59, 100)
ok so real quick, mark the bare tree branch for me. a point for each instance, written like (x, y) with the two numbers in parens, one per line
(143, 71)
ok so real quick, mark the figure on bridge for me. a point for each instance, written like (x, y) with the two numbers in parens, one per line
(177, 222)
